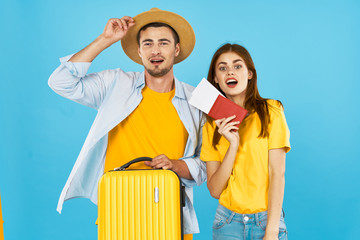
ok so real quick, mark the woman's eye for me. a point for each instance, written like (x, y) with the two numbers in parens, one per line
(237, 67)
(222, 68)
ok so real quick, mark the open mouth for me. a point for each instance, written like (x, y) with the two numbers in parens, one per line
(156, 61)
(231, 82)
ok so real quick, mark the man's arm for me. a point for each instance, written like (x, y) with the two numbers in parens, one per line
(195, 166)
(114, 31)
(71, 80)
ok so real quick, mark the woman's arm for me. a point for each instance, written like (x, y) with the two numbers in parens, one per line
(218, 173)
(276, 191)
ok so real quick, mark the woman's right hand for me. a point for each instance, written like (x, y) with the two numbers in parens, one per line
(229, 130)
(116, 28)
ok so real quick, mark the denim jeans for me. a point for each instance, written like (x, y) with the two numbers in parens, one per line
(229, 225)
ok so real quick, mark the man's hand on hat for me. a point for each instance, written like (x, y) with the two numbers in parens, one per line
(116, 28)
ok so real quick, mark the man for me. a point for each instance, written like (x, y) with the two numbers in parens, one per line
(139, 114)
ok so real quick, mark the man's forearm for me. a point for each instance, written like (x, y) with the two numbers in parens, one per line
(89, 53)
(181, 168)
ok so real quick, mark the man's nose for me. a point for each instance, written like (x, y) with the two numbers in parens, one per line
(155, 50)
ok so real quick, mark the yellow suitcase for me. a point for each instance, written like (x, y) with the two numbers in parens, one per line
(142, 204)
(1, 224)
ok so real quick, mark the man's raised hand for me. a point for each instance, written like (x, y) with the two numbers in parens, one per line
(116, 28)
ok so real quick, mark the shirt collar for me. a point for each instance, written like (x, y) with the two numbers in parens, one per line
(179, 89)
(140, 82)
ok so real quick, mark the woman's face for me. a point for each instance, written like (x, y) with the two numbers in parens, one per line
(232, 74)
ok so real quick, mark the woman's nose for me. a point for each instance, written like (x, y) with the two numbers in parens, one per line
(230, 72)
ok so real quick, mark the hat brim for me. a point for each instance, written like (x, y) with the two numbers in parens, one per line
(178, 23)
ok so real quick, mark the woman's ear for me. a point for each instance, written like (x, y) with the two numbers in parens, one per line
(250, 75)
(216, 80)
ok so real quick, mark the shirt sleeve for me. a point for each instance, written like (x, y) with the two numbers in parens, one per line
(197, 168)
(208, 152)
(279, 134)
(71, 81)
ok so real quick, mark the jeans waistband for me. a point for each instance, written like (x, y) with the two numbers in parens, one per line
(244, 218)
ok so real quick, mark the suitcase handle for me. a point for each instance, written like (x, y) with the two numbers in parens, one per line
(136, 160)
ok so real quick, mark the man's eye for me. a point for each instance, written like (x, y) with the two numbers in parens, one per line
(163, 43)
(147, 44)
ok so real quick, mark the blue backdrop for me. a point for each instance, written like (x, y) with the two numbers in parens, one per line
(306, 54)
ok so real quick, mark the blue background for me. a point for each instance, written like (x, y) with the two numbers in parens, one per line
(306, 55)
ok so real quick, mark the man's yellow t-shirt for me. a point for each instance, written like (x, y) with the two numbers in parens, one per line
(153, 128)
(247, 189)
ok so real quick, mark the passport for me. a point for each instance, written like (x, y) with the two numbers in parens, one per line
(210, 100)
(223, 108)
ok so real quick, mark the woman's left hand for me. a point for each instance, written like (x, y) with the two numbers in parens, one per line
(271, 236)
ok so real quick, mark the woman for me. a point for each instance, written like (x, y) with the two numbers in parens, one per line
(245, 164)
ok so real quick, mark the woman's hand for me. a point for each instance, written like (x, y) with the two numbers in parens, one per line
(271, 236)
(229, 130)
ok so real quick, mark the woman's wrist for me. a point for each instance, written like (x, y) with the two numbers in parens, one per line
(234, 145)
(272, 231)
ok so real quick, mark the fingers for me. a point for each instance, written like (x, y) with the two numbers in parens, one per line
(118, 22)
(161, 161)
(225, 124)
(227, 128)
(163, 165)
(124, 23)
(128, 19)
(224, 121)
(230, 127)
(116, 28)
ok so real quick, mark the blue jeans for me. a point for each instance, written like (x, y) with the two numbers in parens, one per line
(229, 225)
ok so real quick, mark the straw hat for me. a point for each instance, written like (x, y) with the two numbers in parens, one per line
(178, 23)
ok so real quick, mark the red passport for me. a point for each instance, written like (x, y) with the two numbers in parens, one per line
(223, 108)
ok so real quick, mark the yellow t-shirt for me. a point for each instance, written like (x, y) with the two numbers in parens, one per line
(153, 128)
(247, 189)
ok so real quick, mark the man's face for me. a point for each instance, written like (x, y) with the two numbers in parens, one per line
(157, 50)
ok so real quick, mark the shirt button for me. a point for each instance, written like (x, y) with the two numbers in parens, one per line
(246, 218)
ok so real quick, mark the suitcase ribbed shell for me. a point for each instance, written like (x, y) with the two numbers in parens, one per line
(139, 205)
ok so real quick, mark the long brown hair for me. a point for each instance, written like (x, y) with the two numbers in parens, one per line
(253, 101)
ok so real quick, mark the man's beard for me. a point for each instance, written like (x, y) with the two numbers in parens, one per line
(158, 72)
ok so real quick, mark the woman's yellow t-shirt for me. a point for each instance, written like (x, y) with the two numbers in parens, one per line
(153, 128)
(247, 189)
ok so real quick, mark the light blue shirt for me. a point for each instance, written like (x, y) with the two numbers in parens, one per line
(115, 94)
